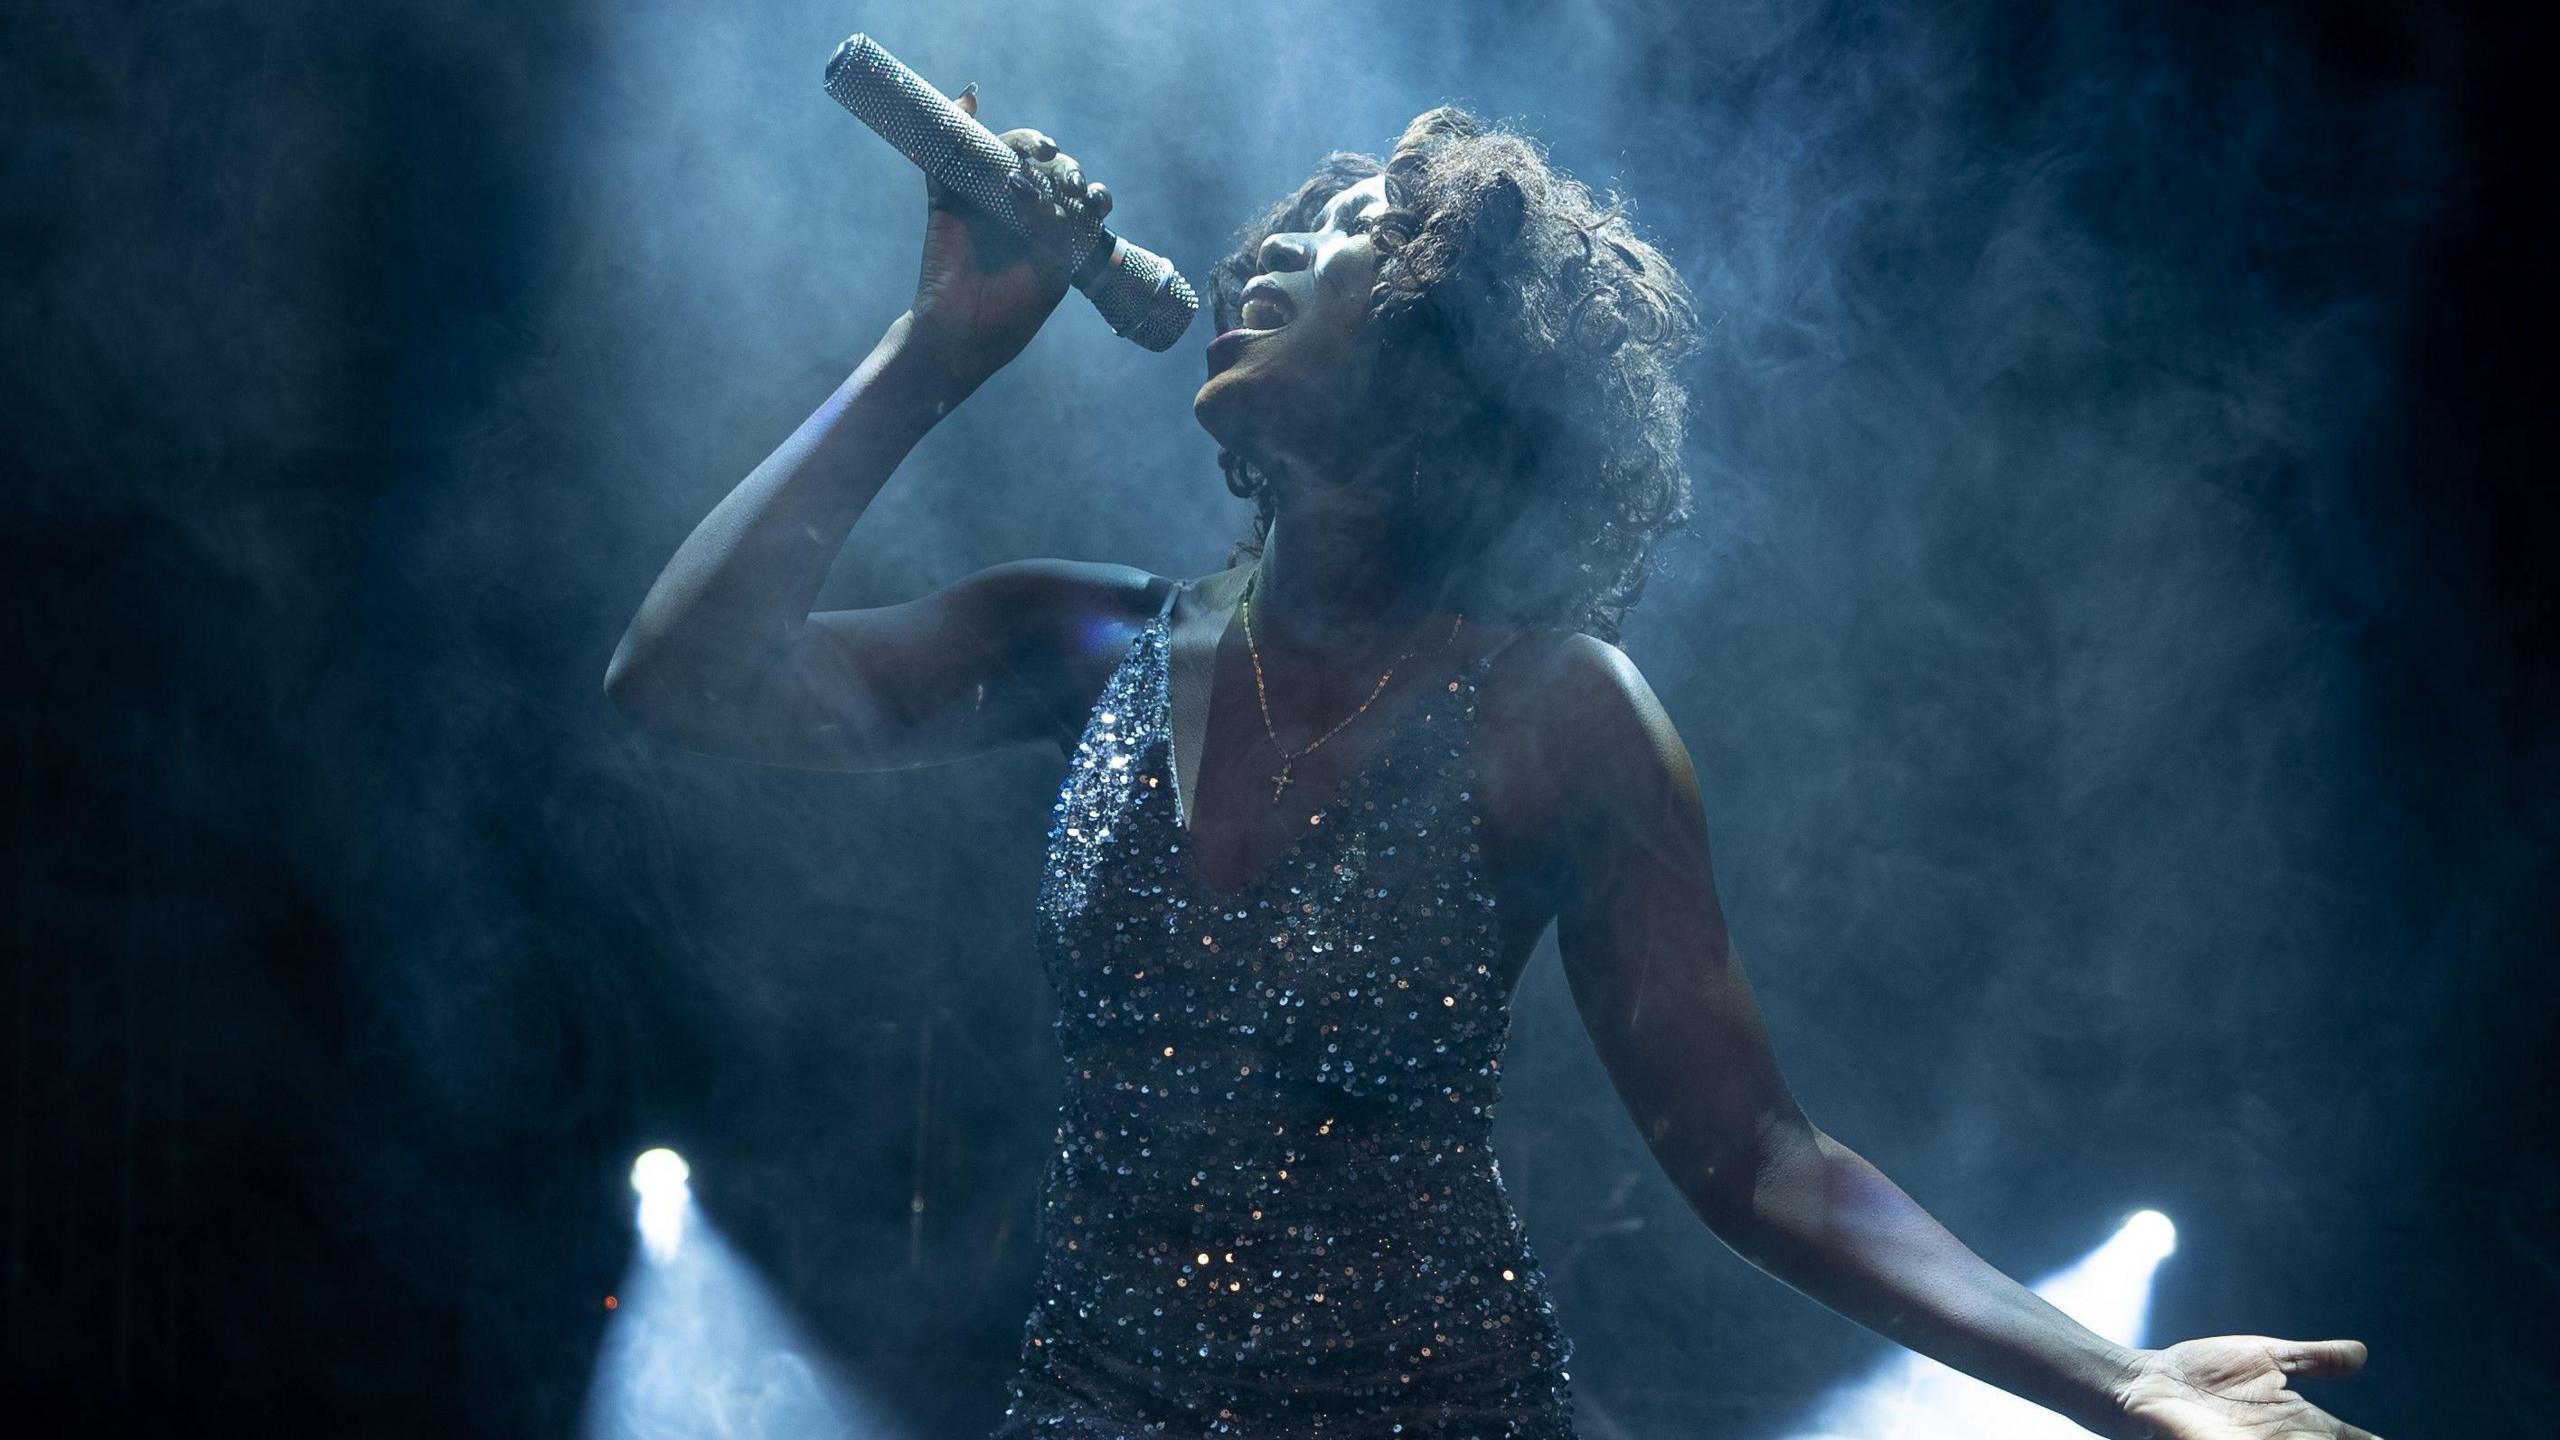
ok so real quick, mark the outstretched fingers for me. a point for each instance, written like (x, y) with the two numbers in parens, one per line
(2319, 1359)
(2324, 1360)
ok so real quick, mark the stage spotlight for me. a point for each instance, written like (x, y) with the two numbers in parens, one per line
(697, 1345)
(660, 1176)
(2150, 1234)
(662, 1171)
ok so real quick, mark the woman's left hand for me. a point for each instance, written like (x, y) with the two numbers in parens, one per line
(2234, 1387)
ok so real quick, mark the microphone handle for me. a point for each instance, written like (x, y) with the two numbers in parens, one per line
(1142, 296)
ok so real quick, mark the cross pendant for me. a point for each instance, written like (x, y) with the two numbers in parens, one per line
(1280, 781)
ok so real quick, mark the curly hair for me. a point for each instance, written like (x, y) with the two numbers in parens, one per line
(1530, 335)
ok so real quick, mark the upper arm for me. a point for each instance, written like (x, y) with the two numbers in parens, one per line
(1008, 655)
(1642, 934)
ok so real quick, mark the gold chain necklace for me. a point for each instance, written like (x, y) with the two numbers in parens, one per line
(1280, 780)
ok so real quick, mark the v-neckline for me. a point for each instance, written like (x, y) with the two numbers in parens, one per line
(1418, 715)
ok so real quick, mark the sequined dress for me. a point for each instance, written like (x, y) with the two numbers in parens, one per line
(1274, 1208)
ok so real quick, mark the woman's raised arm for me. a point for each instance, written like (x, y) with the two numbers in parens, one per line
(724, 654)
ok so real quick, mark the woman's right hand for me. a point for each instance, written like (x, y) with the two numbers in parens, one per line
(983, 291)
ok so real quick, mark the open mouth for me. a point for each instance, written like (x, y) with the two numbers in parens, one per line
(1266, 306)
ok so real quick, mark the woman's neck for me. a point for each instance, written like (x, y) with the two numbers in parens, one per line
(1335, 581)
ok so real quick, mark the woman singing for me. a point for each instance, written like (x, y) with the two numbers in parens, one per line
(1320, 807)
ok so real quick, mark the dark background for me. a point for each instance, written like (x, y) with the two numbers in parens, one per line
(2108, 644)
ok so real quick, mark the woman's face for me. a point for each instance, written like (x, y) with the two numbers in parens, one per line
(1289, 381)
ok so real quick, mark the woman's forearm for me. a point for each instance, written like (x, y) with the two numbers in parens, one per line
(728, 605)
(1833, 1226)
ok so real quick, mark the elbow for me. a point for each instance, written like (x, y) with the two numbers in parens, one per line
(642, 691)
(1734, 1214)
(626, 681)
(1756, 1198)
(676, 704)
(1726, 1195)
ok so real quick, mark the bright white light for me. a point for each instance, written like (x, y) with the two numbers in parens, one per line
(1911, 1398)
(660, 1176)
(2149, 1232)
(659, 1171)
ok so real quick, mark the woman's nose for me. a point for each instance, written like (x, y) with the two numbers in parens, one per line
(1283, 251)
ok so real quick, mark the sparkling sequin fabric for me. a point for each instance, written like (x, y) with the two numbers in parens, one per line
(1274, 1208)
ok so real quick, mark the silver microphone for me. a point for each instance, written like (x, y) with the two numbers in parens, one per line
(1140, 293)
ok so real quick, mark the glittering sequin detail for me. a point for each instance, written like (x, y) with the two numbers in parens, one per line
(1274, 1208)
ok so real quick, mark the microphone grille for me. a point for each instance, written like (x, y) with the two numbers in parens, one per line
(1143, 297)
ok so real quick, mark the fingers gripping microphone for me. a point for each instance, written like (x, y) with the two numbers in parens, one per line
(1142, 296)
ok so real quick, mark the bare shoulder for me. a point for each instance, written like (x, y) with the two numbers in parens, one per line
(1574, 734)
(1563, 685)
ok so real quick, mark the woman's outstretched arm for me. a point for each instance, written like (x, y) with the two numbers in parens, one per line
(1663, 996)
(724, 654)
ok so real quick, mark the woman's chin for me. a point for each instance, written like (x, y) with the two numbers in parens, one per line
(1221, 406)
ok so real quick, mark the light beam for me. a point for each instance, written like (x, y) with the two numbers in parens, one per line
(697, 1345)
